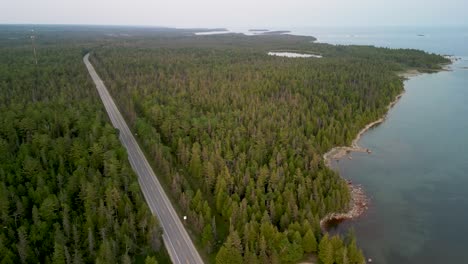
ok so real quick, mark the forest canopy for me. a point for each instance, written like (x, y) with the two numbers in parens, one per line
(67, 192)
(236, 137)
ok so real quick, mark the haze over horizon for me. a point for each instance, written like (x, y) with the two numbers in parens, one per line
(241, 13)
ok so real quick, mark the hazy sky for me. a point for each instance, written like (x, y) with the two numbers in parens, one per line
(237, 13)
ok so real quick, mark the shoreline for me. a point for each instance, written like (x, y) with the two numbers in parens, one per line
(359, 201)
(341, 151)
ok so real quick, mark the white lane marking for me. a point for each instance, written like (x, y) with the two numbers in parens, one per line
(144, 171)
(168, 242)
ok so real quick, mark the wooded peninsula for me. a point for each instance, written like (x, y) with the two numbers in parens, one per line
(236, 136)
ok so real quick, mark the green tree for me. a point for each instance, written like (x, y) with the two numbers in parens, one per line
(228, 255)
(291, 252)
(59, 254)
(309, 242)
(151, 260)
(207, 236)
(195, 161)
(325, 253)
(355, 255)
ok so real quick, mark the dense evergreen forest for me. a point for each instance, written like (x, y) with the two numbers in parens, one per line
(67, 192)
(236, 136)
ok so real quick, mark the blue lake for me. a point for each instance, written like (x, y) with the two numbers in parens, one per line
(417, 174)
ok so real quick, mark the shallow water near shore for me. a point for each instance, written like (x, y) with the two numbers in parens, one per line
(417, 175)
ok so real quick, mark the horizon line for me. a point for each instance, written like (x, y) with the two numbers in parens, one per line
(227, 27)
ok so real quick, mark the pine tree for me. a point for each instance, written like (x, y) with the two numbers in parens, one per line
(309, 242)
(151, 260)
(228, 255)
(354, 254)
(325, 253)
(207, 237)
(195, 161)
(59, 254)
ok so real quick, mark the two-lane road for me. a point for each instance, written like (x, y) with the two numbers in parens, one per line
(177, 241)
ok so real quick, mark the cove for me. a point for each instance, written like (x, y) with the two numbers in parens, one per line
(417, 175)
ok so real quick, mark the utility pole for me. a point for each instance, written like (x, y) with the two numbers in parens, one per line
(35, 59)
(33, 47)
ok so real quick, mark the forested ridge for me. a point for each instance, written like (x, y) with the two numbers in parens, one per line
(238, 136)
(67, 192)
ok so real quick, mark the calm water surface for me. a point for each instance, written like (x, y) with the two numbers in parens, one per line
(417, 175)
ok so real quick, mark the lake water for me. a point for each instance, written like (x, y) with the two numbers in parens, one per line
(417, 174)
(442, 40)
(293, 54)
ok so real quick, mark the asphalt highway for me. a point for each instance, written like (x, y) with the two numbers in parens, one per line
(178, 243)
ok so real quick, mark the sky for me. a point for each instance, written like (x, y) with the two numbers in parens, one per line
(237, 13)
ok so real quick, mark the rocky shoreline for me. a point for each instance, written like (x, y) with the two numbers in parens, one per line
(337, 153)
(359, 202)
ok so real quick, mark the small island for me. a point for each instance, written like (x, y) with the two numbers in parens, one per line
(276, 32)
(258, 30)
(207, 29)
